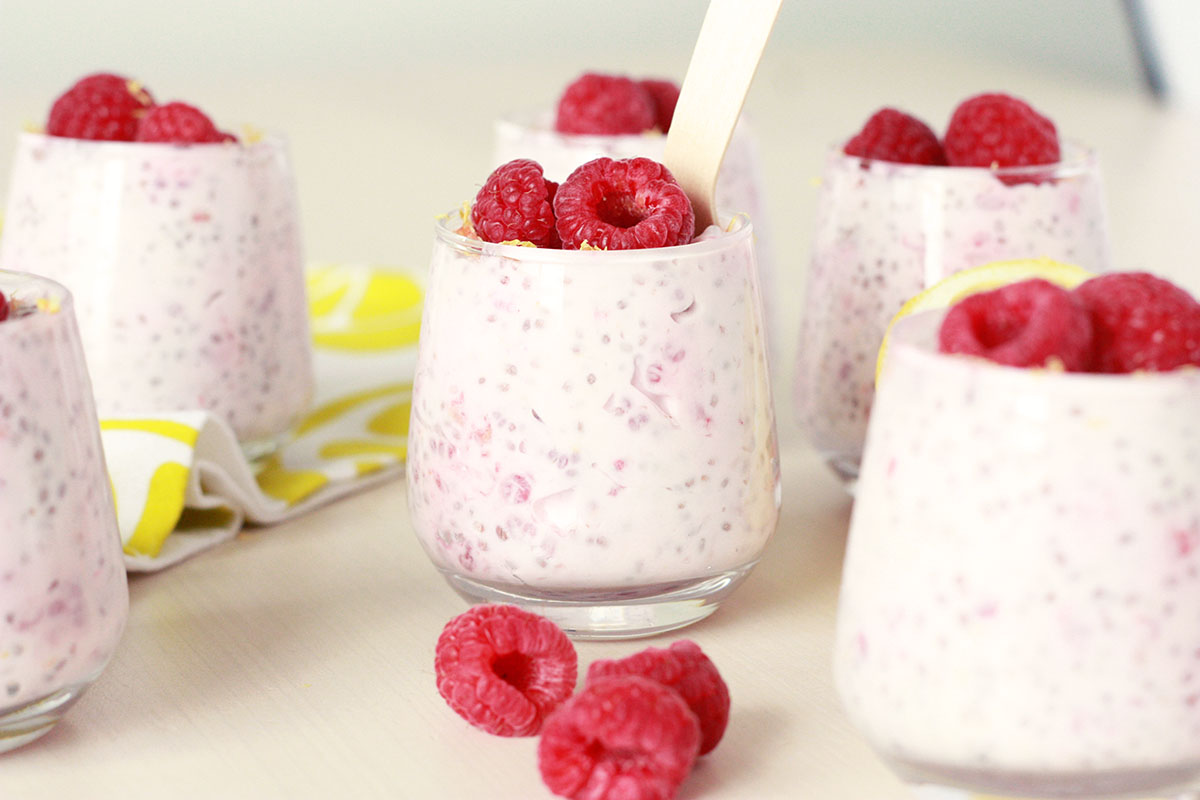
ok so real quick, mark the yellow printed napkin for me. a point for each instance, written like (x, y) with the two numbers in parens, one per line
(181, 482)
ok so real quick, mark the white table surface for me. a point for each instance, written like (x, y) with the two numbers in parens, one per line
(297, 661)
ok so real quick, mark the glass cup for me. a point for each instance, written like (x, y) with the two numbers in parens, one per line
(592, 434)
(186, 267)
(1020, 604)
(739, 185)
(887, 231)
(63, 594)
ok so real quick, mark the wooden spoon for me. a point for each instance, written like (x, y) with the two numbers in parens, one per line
(727, 52)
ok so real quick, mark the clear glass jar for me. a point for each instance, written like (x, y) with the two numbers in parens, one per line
(592, 433)
(885, 231)
(1020, 605)
(63, 593)
(185, 262)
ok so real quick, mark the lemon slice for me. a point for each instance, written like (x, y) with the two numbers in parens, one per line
(356, 308)
(953, 288)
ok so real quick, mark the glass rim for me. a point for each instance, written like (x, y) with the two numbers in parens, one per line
(263, 140)
(1076, 158)
(738, 229)
(910, 345)
(32, 287)
(539, 123)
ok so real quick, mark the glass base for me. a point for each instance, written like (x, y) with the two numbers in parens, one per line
(21, 725)
(946, 783)
(615, 613)
(846, 470)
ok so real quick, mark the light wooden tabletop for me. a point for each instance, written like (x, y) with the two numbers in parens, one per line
(297, 661)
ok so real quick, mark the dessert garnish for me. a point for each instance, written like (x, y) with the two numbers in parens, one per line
(1119, 322)
(516, 205)
(892, 135)
(1141, 322)
(625, 204)
(1032, 323)
(102, 106)
(620, 737)
(999, 130)
(990, 130)
(613, 105)
(606, 204)
(504, 669)
(109, 107)
(684, 667)
(179, 123)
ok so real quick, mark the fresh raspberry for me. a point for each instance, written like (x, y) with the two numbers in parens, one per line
(684, 668)
(3, 307)
(102, 106)
(178, 123)
(516, 204)
(605, 104)
(999, 130)
(629, 204)
(621, 738)
(665, 95)
(504, 669)
(1140, 322)
(1031, 323)
(891, 135)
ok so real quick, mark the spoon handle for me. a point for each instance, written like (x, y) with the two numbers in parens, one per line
(727, 53)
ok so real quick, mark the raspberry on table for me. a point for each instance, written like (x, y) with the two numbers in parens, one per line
(628, 204)
(685, 668)
(516, 204)
(605, 104)
(892, 135)
(998, 130)
(178, 123)
(620, 738)
(102, 106)
(504, 669)
(1031, 323)
(1140, 322)
(665, 95)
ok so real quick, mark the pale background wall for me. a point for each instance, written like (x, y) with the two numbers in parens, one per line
(389, 105)
(434, 75)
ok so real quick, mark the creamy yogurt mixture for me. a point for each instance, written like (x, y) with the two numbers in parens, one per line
(739, 185)
(1021, 598)
(63, 597)
(595, 420)
(885, 232)
(186, 267)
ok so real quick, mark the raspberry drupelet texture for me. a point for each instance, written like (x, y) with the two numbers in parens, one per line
(1140, 322)
(516, 204)
(504, 669)
(629, 204)
(685, 668)
(1031, 323)
(892, 135)
(102, 106)
(178, 123)
(999, 130)
(605, 104)
(620, 738)
(665, 95)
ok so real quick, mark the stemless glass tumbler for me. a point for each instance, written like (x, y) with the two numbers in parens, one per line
(1020, 605)
(63, 596)
(186, 267)
(592, 434)
(886, 231)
